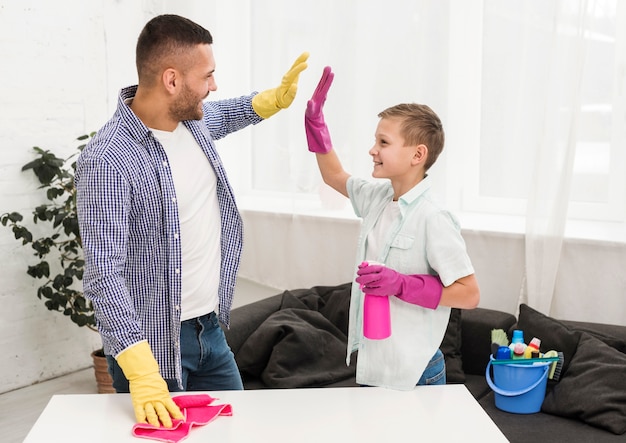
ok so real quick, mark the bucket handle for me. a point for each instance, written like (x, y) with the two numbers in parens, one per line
(514, 393)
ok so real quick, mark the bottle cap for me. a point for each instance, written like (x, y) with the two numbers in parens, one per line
(535, 343)
(503, 353)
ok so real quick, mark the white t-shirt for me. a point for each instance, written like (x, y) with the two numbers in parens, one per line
(377, 237)
(199, 214)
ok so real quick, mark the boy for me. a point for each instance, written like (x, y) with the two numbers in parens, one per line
(426, 267)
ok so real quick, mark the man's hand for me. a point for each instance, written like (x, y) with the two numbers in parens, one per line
(268, 103)
(420, 289)
(317, 135)
(148, 391)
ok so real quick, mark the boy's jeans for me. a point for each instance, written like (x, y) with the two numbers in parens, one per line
(435, 372)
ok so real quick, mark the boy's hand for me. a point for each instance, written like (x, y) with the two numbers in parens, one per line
(378, 280)
(317, 135)
(420, 289)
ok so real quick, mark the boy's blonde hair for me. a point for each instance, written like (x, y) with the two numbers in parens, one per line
(420, 125)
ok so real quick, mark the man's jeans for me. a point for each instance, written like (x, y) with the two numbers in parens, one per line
(208, 363)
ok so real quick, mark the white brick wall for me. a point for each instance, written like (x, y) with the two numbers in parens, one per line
(61, 65)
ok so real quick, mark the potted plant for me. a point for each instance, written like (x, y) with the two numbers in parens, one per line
(59, 249)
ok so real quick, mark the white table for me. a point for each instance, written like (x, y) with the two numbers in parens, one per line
(322, 415)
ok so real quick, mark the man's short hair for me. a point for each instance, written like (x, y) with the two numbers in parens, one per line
(164, 37)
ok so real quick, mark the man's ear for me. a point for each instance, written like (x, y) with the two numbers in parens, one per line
(420, 155)
(170, 80)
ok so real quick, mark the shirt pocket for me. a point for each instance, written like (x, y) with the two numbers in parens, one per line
(402, 242)
(402, 253)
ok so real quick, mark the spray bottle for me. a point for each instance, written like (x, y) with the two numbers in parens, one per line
(376, 315)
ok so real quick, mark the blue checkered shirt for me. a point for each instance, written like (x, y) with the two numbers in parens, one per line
(130, 229)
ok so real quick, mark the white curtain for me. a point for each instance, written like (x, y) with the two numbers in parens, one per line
(559, 105)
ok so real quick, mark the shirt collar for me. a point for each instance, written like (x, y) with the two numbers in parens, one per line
(414, 193)
(137, 129)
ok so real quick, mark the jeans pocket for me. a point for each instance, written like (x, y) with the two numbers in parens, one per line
(438, 379)
(435, 372)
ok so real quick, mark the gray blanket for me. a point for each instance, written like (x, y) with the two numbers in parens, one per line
(303, 344)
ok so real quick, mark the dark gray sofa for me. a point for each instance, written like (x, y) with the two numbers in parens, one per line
(297, 339)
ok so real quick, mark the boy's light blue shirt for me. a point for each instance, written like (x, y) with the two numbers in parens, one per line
(425, 239)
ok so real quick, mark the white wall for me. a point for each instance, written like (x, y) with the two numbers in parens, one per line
(51, 70)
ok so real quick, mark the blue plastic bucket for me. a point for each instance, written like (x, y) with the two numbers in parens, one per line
(518, 388)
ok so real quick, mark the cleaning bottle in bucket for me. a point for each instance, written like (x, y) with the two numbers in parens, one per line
(518, 350)
(376, 315)
(532, 350)
(517, 345)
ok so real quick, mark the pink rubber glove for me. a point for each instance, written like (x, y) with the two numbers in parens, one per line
(317, 135)
(422, 289)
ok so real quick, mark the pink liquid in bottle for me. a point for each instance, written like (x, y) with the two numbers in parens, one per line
(376, 317)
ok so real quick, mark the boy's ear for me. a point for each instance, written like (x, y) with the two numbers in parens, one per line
(421, 154)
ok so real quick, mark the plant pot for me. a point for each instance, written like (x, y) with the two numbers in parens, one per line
(103, 378)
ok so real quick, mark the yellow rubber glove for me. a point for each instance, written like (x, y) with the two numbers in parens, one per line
(148, 391)
(268, 103)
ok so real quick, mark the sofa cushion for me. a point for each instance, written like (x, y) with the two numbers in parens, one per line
(476, 336)
(612, 335)
(552, 333)
(451, 348)
(594, 387)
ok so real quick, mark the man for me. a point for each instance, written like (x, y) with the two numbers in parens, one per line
(161, 233)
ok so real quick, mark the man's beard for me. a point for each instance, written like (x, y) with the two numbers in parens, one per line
(186, 106)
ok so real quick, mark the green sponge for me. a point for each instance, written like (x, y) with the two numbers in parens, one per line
(499, 336)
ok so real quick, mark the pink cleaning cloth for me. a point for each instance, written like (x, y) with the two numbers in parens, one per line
(198, 411)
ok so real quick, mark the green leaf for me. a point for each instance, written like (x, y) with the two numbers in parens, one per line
(33, 164)
(70, 225)
(23, 233)
(53, 193)
(13, 217)
(46, 173)
(53, 305)
(80, 319)
(43, 246)
(43, 213)
(40, 270)
(58, 282)
(44, 291)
